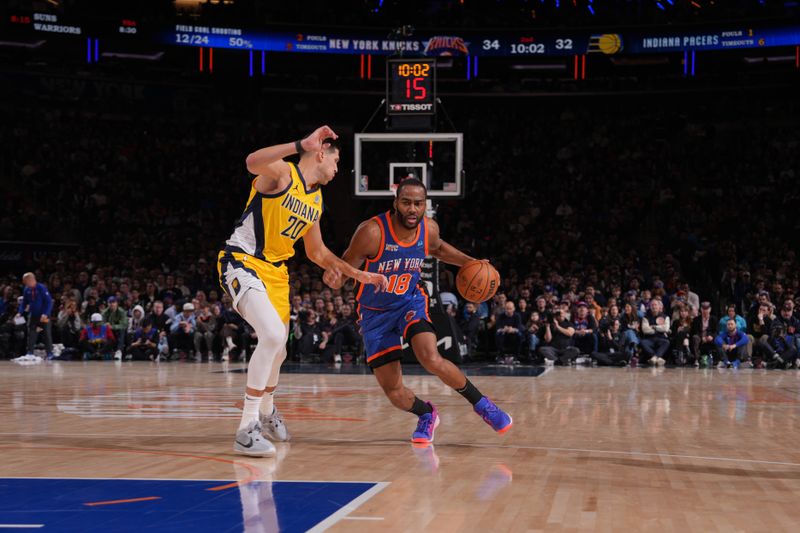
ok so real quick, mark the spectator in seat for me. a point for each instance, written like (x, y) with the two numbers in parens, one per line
(535, 331)
(731, 344)
(730, 312)
(704, 331)
(158, 318)
(509, 331)
(790, 322)
(181, 331)
(206, 332)
(759, 326)
(631, 327)
(681, 335)
(762, 298)
(585, 326)
(470, 325)
(594, 308)
(135, 321)
(117, 318)
(97, 339)
(144, 344)
(89, 307)
(655, 329)
(345, 333)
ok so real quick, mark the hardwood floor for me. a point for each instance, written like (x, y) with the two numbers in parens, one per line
(592, 449)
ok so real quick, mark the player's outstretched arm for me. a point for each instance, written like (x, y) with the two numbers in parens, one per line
(363, 245)
(271, 170)
(442, 250)
(325, 259)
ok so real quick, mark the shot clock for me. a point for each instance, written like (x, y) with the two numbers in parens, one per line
(411, 87)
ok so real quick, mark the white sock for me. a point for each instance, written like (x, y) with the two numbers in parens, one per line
(267, 404)
(229, 340)
(250, 410)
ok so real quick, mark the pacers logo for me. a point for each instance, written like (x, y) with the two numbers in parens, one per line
(607, 43)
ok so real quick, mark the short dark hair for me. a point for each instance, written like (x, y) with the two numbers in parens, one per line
(332, 144)
(411, 182)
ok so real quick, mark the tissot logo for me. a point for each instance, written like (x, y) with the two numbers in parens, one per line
(412, 107)
(392, 247)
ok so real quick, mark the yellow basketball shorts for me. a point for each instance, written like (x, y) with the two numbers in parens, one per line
(240, 272)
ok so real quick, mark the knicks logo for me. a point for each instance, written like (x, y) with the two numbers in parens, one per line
(410, 315)
(446, 46)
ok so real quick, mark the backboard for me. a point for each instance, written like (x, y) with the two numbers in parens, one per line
(383, 160)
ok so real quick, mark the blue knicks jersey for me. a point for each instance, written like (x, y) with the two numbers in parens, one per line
(400, 262)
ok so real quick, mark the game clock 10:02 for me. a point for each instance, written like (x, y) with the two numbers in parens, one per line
(411, 86)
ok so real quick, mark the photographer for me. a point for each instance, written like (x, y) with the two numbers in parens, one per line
(68, 324)
(611, 346)
(308, 334)
(779, 350)
(558, 336)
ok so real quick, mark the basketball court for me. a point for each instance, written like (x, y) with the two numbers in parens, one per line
(124, 446)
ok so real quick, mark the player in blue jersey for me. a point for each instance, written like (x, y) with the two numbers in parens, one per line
(395, 244)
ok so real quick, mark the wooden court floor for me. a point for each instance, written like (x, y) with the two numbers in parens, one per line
(591, 449)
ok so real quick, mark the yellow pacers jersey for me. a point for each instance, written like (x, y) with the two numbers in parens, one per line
(271, 224)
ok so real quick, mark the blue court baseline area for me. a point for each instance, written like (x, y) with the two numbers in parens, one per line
(62, 504)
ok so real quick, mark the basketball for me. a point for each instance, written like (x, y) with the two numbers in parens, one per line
(477, 281)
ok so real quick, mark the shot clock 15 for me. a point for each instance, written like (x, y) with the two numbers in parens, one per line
(411, 86)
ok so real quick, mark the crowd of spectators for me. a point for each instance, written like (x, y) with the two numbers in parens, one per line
(621, 233)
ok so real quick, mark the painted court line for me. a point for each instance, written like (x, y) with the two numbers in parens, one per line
(131, 500)
(349, 508)
(196, 479)
(362, 518)
(21, 526)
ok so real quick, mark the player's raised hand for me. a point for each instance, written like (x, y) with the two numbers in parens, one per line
(333, 278)
(313, 142)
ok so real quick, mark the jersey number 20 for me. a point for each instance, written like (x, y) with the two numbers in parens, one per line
(294, 228)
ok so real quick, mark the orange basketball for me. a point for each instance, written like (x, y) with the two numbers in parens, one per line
(477, 281)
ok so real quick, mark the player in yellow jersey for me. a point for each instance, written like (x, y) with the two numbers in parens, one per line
(284, 205)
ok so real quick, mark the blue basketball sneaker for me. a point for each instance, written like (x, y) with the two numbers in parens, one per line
(493, 415)
(426, 426)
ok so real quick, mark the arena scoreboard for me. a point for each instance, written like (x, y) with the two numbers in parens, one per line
(57, 19)
(411, 86)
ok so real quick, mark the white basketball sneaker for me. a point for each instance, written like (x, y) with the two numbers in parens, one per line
(274, 426)
(250, 441)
